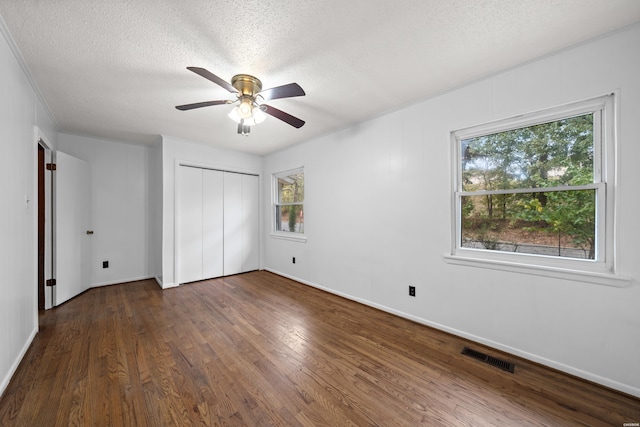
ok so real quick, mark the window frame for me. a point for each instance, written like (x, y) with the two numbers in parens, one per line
(602, 268)
(288, 235)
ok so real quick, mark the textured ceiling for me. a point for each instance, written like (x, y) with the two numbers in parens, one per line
(115, 69)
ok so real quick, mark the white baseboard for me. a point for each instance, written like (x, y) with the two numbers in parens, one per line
(135, 279)
(16, 363)
(167, 285)
(612, 384)
(119, 281)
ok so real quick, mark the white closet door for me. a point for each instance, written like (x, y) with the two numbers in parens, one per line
(212, 224)
(189, 224)
(217, 231)
(232, 223)
(250, 222)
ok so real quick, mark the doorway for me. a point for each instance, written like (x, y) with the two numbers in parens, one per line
(41, 227)
(43, 217)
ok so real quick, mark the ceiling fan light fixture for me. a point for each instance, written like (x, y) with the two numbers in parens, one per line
(248, 111)
(239, 115)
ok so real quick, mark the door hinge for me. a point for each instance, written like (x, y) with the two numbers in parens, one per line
(51, 166)
(50, 282)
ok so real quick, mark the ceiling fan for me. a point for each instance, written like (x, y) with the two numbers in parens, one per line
(249, 95)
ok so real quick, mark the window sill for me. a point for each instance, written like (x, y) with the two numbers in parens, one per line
(599, 278)
(294, 237)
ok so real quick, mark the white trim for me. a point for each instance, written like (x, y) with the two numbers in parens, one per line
(289, 171)
(176, 220)
(25, 69)
(164, 285)
(606, 382)
(41, 139)
(602, 269)
(545, 115)
(611, 123)
(121, 281)
(34, 206)
(596, 277)
(197, 165)
(285, 235)
(7, 379)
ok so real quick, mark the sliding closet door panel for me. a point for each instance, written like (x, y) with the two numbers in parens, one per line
(212, 224)
(250, 222)
(232, 223)
(189, 224)
(217, 223)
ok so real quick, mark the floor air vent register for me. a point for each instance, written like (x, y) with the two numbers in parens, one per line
(493, 361)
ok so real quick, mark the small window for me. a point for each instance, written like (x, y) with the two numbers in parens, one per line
(289, 201)
(534, 188)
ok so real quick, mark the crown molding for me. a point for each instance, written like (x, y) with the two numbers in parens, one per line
(25, 69)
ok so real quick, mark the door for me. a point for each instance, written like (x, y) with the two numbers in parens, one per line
(189, 224)
(199, 224)
(217, 223)
(72, 221)
(232, 223)
(41, 227)
(212, 224)
(241, 223)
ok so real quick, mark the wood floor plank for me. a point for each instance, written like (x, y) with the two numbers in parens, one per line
(259, 349)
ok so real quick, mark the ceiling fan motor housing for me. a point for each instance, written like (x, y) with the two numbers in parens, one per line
(246, 84)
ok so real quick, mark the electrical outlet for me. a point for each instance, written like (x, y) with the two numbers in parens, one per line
(105, 264)
(293, 260)
(412, 291)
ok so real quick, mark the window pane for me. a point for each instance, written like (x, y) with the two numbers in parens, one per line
(545, 155)
(290, 218)
(291, 188)
(560, 223)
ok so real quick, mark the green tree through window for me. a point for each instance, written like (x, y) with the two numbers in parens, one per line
(531, 189)
(289, 203)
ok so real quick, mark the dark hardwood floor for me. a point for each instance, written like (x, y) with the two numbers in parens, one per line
(259, 349)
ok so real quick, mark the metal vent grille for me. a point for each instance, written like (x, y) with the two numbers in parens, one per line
(493, 361)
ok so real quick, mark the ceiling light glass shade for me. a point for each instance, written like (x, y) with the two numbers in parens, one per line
(244, 109)
(258, 115)
(235, 115)
(254, 117)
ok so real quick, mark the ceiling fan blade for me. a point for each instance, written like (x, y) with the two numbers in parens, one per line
(200, 105)
(284, 91)
(212, 77)
(285, 117)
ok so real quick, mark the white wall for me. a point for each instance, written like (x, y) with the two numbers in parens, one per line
(20, 111)
(378, 218)
(121, 217)
(176, 150)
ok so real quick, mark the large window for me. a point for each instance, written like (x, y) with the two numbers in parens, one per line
(538, 188)
(289, 201)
